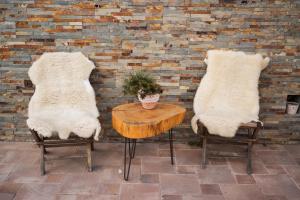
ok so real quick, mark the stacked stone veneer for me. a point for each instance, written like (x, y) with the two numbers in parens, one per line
(167, 38)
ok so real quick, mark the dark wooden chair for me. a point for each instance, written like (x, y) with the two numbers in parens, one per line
(247, 139)
(51, 142)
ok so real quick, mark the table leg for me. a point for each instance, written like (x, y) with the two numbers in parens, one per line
(131, 154)
(171, 145)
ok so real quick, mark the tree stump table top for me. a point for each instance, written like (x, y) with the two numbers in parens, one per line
(133, 121)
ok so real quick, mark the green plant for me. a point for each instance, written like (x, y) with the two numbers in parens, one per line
(141, 83)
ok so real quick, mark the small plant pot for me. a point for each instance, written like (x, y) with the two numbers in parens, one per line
(150, 101)
(292, 108)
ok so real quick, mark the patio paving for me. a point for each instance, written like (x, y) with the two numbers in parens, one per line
(276, 174)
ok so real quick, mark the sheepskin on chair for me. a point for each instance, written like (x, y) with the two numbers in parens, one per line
(228, 93)
(64, 100)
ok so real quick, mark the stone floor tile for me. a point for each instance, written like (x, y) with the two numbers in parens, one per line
(149, 178)
(5, 168)
(239, 166)
(66, 165)
(225, 148)
(114, 174)
(203, 197)
(54, 178)
(294, 150)
(97, 197)
(278, 185)
(136, 161)
(19, 157)
(268, 147)
(245, 179)
(179, 184)
(2, 155)
(73, 151)
(186, 169)
(297, 160)
(275, 169)
(107, 157)
(185, 146)
(188, 157)
(171, 197)
(177, 146)
(217, 161)
(294, 172)
(7, 196)
(80, 184)
(10, 187)
(33, 191)
(164, 153)
(153, 165)
(3, 177)
(164, 146)
(135, 174)
(241, 192)
(275, 157)
(146, 149)
(140, 191)
(275, 197)
(26, 174)
(66, 197)
(215, 174)
(109, 146)
(21, 146)
(210, 189)
(108, 188)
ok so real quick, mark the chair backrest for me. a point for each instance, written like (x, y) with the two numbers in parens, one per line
(230, 84)
(62, 81)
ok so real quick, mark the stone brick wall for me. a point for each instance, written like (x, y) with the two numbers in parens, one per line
(169, 38)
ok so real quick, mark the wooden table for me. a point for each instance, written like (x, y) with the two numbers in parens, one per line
(134, 122)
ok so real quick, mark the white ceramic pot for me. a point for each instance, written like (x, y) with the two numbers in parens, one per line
(150, 101)
(292, 108)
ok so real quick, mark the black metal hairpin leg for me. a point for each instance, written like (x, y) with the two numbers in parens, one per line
(131, 153)
(171, 145)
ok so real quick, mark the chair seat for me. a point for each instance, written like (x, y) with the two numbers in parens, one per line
(238, 138)
(251, 124)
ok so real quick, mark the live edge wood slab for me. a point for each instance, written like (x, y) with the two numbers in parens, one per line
(133, 121)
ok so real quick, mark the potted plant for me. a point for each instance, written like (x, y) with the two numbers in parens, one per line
(144, 87)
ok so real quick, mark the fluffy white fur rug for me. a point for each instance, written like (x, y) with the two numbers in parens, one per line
(228, 93)
(64, 100)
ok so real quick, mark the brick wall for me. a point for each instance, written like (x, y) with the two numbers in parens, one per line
(169, 38)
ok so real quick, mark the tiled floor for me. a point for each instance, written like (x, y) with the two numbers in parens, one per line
(276, 174)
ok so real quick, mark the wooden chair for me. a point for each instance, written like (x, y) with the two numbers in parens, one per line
(227, 97)
(51, 142)
(247, 139)
(63, 102)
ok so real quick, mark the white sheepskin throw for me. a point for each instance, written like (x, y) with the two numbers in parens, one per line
(64, 100)
(228, 93)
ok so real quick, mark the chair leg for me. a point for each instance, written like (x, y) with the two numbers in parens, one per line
(42, 161)
(249, 148)
(92, 146)
(89, 157)
(249, 158)
(204, 146)
(201, 142)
